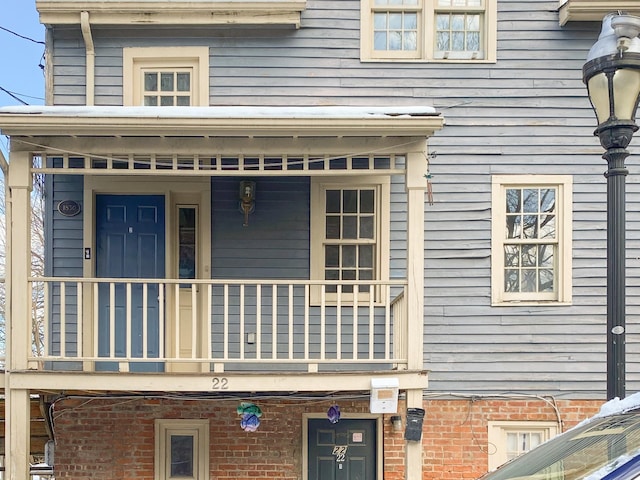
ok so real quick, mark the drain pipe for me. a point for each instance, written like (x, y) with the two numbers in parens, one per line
(85, 25)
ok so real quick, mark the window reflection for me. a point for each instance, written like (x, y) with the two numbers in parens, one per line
(187, 242)
(182, 456)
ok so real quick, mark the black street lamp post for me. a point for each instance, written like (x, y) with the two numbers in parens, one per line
(612, 76)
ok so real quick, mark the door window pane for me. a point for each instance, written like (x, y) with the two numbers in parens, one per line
(182, 455)
(187, 217)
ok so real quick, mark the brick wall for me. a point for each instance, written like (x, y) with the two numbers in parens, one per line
(455, 431)
(113, 439)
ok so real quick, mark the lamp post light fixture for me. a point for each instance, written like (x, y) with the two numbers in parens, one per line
(612, 76)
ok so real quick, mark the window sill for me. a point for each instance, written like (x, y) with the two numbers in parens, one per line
(426, 60)
(531, 303)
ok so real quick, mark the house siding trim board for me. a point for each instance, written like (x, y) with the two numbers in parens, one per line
(191, 12)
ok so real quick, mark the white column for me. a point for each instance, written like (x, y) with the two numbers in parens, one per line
(17, 434)
(416, 187)
(18, 315)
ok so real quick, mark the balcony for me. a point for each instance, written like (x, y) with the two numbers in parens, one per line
(151, 325)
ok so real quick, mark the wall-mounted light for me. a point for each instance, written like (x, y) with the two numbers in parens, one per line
(396, 423)
(247, 199)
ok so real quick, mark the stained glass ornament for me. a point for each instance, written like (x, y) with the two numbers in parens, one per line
(333, 414)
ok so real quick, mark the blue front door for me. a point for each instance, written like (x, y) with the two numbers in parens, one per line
(130, 243)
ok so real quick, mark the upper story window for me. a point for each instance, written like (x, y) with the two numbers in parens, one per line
(508, 439)
(424, 30)
(349, 234)
(531, 239)
(169, 76)
(167, 88)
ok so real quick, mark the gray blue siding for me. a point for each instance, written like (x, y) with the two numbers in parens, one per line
(275, 244)
(526, 114)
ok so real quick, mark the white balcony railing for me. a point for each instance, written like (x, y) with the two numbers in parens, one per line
(91, 323)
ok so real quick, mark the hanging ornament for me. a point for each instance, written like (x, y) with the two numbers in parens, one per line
(250, 414)
(249, 422)
(429, 188)
(333, 414)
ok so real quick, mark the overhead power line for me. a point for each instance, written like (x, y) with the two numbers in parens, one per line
(12, 95)
(21, 36)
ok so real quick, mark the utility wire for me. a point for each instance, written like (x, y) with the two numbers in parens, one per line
(13, 96)
(24, 95)
(21, 36)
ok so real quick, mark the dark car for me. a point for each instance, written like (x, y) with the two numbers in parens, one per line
(604, 447)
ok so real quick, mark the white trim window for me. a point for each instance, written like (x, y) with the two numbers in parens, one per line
(531, 238)
(349, 233)
(167, 77)
(425, 30)
(182, 449)
(508, 439)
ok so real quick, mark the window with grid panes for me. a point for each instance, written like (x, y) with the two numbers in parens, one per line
(166, 88)
(531, 240)
(458, 32)
(349, 234)
(429, 30)
(166, 76)
(508, 439)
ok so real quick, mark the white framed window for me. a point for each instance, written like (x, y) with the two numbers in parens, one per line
(182, 449)
(531, 239)
(508, 439)
(166, 76)
(349, 234)
(429, 30)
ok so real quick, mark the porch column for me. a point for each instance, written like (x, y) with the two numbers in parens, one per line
(17, 442)
(18, 314)
(416, 187)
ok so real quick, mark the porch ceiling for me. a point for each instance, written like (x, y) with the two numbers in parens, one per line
(248, 122)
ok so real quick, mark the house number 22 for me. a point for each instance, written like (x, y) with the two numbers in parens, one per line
(340, 453)
(220, 383)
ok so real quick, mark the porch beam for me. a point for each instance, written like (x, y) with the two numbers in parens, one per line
(222, 122)
(203, 145)
(224, 382)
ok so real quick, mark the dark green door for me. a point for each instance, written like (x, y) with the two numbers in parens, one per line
(342, 451)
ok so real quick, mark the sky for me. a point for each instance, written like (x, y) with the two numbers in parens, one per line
(20, 58)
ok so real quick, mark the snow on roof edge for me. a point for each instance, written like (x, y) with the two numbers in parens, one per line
(222, 112)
